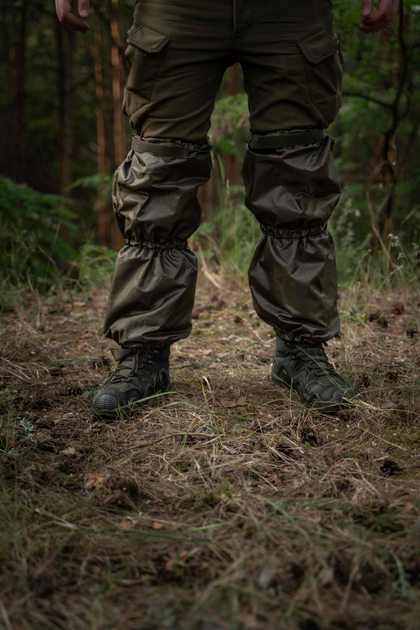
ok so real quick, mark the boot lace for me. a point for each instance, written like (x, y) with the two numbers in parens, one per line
(129, 367)
(316, 356)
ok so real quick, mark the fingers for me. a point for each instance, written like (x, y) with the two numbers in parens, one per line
(83, 7)
(381, 19)
(366, 7)
(375, 23)
(66, 17)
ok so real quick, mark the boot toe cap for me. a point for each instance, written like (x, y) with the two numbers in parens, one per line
(103, 403)
(332, 399)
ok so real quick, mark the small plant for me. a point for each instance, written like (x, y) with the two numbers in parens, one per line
(95, 266)
(29, 429)
(32, 246)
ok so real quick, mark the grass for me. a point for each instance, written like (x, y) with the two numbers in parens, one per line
(222, 505)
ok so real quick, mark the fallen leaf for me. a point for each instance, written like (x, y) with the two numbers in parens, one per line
(43, 436)
(169, 566)
(95, 480)
(249, 528)
(69, 451)
(407, 507)
(326, 576)
(387, 405)
(80, 345)
(266, 577)
(118, 497)
(80, 304)
(157, 525)
(275, 479)
(249, 622)
(125, 524)
(241, 402)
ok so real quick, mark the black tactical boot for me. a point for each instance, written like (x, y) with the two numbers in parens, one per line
(140, 373)
(306, 369)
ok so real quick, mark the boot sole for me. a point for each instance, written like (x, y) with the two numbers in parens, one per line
(327, 408)
(127, 410)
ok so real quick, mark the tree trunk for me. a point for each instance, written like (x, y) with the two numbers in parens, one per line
(117, 92)
(65, 47)
(117, 98)
(102, 220)
(16, 62)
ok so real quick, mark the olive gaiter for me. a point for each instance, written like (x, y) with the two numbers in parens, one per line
(155, 201)
(292, 191)
(291, 61)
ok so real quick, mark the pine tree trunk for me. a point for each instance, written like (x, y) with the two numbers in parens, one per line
(117, 92)
(17, 46)
(117, 98)
(65, 46)
(102, 220)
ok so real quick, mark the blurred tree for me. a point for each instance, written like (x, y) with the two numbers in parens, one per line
(65, 53)
(102, 223)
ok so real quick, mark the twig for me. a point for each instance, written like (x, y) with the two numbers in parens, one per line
(5, 617)
(366, 97)
(206, 270)
(348, 588)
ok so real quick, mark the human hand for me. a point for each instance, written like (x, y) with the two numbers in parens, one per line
(381, 19)
(66, 17)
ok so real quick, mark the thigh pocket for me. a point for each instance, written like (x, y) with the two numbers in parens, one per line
(322, 59)
(144, 54)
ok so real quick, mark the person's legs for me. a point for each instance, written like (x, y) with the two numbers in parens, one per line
(292, 70)
(177, 53)
(178, 57)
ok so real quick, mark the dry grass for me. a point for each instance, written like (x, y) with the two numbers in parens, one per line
(223, 505)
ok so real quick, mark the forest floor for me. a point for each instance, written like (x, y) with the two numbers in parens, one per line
(223, 505)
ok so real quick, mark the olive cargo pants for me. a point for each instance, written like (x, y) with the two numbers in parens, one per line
(178, 51)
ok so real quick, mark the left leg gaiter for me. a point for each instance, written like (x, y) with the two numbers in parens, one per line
(292, 189)
(155, 201)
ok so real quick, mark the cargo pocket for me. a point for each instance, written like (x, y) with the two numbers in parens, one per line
(144, 54)
(322, 59)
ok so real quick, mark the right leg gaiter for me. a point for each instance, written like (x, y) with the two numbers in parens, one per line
(292, 189)
(155, 201)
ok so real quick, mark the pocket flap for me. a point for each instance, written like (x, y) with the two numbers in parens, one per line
(147, 39)
(318, 46)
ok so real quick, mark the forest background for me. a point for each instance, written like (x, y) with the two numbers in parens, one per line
(62, 136)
